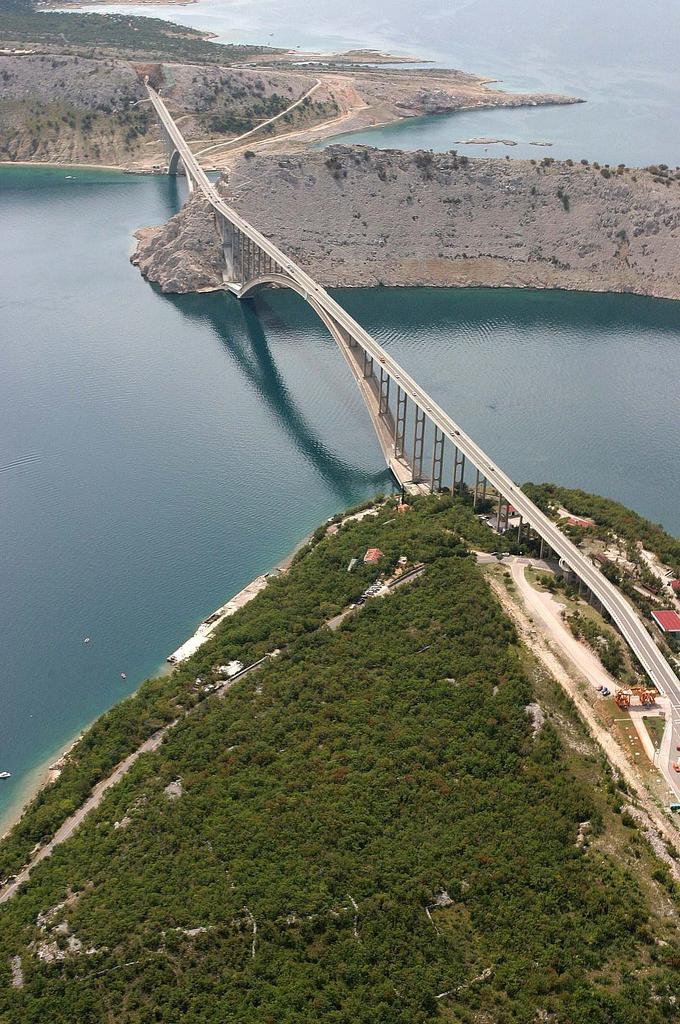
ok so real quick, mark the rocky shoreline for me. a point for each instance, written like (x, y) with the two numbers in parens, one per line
(365, 217)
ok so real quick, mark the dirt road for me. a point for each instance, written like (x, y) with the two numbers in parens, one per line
(536, 640)
(93, 800)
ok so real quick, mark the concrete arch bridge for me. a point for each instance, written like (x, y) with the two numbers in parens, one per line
(423, 446)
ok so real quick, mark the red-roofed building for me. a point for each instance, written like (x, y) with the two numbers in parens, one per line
(372, 556)
(669, 623)
(580, 521)
(675, 586)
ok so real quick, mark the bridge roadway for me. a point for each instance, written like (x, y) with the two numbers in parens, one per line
(621, 611)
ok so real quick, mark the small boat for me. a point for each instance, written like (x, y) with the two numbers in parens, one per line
(123, 675)
(5, 775)
(86, 640)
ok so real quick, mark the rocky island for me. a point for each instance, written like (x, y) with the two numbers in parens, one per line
(368, 217)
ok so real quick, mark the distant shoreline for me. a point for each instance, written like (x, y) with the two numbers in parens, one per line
(65, 4)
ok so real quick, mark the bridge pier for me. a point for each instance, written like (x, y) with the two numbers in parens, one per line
(458, 464)
(227, 231)
(384, 392)
(400, 423)
(437, 461)
(418, 444)
(475, 495)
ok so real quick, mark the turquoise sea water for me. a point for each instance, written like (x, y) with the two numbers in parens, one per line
(158, 452)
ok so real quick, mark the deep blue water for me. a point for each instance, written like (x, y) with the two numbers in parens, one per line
(158, 452)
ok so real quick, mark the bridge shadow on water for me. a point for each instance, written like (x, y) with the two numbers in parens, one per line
(241, 333)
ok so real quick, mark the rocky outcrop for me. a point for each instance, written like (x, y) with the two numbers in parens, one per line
(357, 216)
(444, 101)
(184, 255)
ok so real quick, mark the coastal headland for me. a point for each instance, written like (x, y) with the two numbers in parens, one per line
(225, 784)
(91, 108)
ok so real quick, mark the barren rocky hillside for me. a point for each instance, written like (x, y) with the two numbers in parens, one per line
(360, 216)
(73, 109)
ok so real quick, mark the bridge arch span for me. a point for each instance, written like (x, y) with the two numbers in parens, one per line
(338, 333)
(353, 354)
(375, 369)
(256, 284)
(176, 166)
(173, 162)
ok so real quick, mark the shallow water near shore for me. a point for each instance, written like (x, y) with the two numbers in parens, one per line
(157, 453)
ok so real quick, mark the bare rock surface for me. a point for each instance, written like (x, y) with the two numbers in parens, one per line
(184, 255)
(76, 81)
(173, 790)
(357, 216)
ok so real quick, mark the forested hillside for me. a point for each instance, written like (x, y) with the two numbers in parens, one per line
(385, 823)
(609, 515)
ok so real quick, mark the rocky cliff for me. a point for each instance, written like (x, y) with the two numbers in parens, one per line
(358, 216)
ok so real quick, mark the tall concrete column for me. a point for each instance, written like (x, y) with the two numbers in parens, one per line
(249, 257)
(238, 255)
(418, 443)
(458, 470)
(500, 512)
(368, 364)
(476, 491)
(400, 423)
(384, 403)
(437, 461)
(519, 531)
(226, 229)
